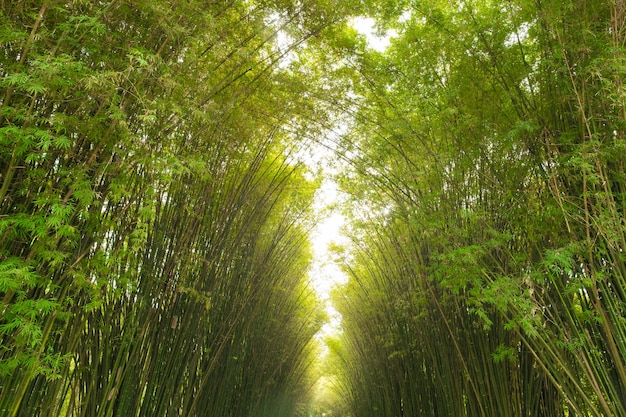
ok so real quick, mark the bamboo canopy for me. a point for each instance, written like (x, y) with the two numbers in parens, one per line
(158, 194)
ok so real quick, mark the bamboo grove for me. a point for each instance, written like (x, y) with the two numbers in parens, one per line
(153, 220)
(488, 275)
(155, 214)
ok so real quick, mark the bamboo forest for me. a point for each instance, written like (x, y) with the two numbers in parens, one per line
(162, 174)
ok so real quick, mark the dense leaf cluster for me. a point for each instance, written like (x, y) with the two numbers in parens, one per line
(153, 226)
(154, 217)
(488, 277)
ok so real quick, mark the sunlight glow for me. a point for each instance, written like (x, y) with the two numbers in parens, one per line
(377, 41)
(326, 274)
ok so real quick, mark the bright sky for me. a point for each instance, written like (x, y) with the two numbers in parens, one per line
(366, 26)
(324, 273)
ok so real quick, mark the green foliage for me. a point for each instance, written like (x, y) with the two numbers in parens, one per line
(148, 207)
(153, 217)
(489, 135)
